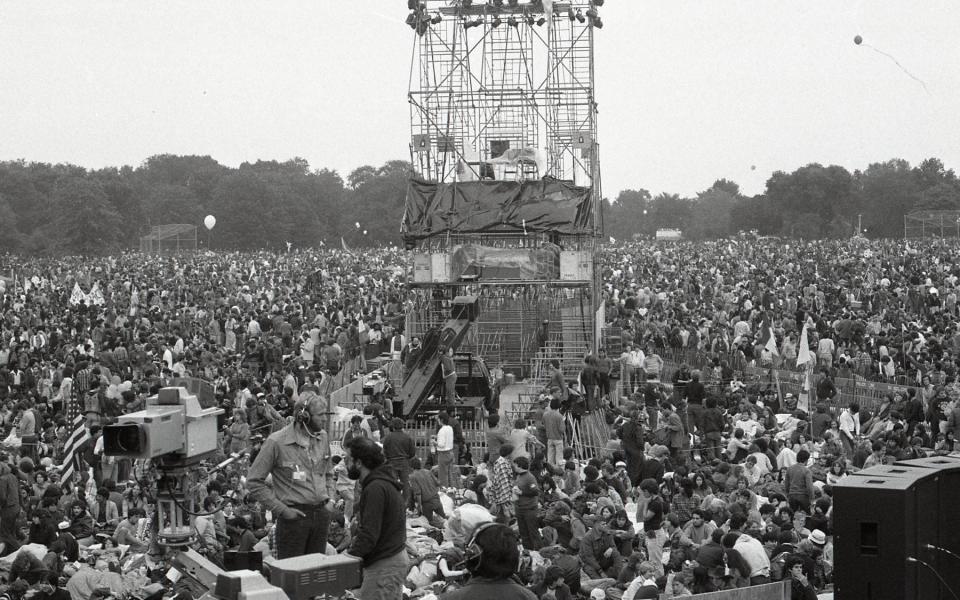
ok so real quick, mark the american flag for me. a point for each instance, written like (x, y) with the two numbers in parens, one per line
(79, 435)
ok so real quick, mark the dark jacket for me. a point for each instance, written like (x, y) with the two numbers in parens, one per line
(383, 521)
(712, 421)
(399, 446)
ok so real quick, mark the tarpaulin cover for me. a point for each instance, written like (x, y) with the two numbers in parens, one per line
(544, 205)
(506, 263)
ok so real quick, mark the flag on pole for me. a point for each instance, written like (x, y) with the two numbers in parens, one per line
(346, 248)
(70, 455)
(767, 338)
(803, 351)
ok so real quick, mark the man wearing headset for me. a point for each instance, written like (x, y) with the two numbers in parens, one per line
(492, 556)
(298, 459)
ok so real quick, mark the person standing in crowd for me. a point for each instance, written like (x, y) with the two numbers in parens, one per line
(798, 483)
(501, 486)
(554, 425)
(528, 504)
(445, 451)
(633, 445)
(399, 449)
(298, 459)
(381, 536)
(604, 367)
(425, 490)
(495, 438)
(448, 371)
(557, 380)
(633, 360)
(850, 428)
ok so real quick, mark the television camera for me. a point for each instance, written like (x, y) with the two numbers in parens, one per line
(174, 434)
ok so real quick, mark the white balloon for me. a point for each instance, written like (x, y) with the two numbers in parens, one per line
(210, 221)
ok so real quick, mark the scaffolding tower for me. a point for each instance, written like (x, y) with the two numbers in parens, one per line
(504, 119)
(487, 77)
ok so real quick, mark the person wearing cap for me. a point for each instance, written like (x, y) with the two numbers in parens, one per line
(399, 449)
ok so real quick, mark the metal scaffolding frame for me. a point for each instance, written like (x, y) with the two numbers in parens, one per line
(931, 223)
(488, 77)
(477, 89)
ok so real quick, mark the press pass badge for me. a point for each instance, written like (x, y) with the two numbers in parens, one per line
(299, 475)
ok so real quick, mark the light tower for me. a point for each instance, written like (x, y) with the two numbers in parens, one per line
(505, 156)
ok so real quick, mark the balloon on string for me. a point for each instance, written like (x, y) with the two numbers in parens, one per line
(210, 221)
(857, 40)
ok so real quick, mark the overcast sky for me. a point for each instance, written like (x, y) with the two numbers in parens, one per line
(688, 92)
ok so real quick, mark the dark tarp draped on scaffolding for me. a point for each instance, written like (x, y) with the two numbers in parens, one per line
(541, 263)
(544, 205)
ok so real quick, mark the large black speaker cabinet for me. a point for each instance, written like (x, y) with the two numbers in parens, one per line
(886, 519)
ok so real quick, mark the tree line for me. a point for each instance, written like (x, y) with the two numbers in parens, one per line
(66, 209)
(812, 202)
(62, 208)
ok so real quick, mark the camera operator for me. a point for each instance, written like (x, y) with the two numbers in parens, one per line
(492, 557)
(298, 458)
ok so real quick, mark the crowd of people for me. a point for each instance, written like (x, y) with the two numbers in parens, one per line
(707, 483)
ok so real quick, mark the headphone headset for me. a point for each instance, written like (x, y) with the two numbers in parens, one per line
(473, 553)
(301, 414)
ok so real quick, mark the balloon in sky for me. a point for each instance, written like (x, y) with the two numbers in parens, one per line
(753, 167)
(209, 221)
(857, 40)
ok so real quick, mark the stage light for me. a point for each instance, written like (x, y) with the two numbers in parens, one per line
(436, 19)
(466, 3)
(541, 21)
(512, 21)
(592, 13)
(598, 23)
(497, 3)
(570, 14)
(412, 20)
(598, 2)
(514, 3)
(412, 4)
(531, 21)
(422, 27)
(496, 21)
(580, 16)
(467, 24)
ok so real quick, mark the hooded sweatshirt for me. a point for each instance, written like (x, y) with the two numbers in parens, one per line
(383, 521)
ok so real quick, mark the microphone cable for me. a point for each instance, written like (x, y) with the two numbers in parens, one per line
(934, 571)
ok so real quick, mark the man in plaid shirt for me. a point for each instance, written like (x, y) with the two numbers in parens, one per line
(501, 486)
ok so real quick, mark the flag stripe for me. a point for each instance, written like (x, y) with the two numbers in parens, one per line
(76, 439)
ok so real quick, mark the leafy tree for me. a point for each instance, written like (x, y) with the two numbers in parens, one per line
(812, 190)
(886, 191)
(10, 238)
(628, 214)
(246, 217)
(86, 222)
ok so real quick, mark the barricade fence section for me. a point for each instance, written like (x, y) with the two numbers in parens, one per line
(868, 394)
